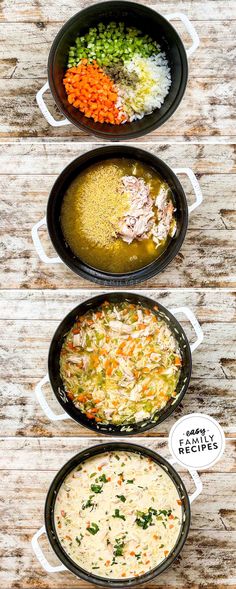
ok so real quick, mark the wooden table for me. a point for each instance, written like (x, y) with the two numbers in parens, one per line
(207, 559)
(205, 114)
(34, 297)
(33, 448)
(206, 259)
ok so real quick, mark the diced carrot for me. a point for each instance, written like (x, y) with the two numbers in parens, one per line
(70, 345)
(82, 398)
(92, 91)
(178, 361)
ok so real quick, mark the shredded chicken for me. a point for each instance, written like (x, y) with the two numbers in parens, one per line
(166, 223)
(138, 221)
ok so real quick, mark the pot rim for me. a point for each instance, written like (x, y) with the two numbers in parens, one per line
(49, 513)
(133, 134)
(145, 272)
(108, 429)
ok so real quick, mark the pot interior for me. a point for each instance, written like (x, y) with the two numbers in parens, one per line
(57, 384)
(75, 462)
(54, 211)
(131, 14)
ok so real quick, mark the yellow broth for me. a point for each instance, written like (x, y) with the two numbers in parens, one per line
(90, 212)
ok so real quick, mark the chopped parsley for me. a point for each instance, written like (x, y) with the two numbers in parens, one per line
(96, 488)
(92, 475)
(165, 512)
(93, 529)
(88, 503)
(79, 539)
(118, 547)
(144, 520)
(122, 498)
(103, 479)
(118, 514)
(130, 481)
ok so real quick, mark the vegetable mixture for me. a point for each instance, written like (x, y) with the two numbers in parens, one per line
(116, 74)
(120, 364)
(118, 515)
(118, 215)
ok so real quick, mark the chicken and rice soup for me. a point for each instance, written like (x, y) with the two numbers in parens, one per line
(118, 215)
(120, 363)
(118, 515)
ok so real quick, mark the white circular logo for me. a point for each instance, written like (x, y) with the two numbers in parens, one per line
(196, 441)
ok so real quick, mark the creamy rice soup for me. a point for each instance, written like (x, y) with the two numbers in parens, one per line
(118, 514)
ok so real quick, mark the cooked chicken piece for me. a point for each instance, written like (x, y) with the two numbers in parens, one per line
(77, 339)
(74, 359)
(161, 198)
(161, 230)
(138, 221)
(140, 415)
(120, 326)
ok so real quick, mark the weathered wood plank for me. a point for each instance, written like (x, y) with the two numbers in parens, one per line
(215, 212)
(43, 454)
(21, 58)
(50, 158)
(210, 552)
(26, 345)
(205, 111)
(27, 468)
(26, 340)
(215, 511)
(21, 415)
(207, 257)
(42, 11)
(210, 306)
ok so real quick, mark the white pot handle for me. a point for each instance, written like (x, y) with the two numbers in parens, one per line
(196, 478)
(40, 556)
(190, 29)
(43, 403)
(38, 246)
(194, 322)
(195, 185)
(44, 110)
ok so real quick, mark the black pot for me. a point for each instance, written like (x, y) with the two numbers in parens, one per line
(51, 530)
(57, 384)
(142, 17)
(54, 209)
